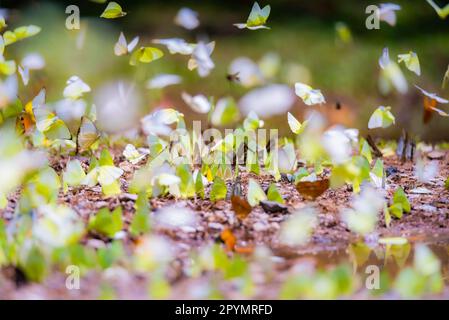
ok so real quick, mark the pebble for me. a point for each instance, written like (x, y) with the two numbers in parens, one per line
(188, 229)
(215, 225)
(120, 235)
(128, 196)
(427, 208)
(391, 170)
(435, 155)
(259, 226)
(420, 190)
(101, 204)
(272, 206)
(96, 243)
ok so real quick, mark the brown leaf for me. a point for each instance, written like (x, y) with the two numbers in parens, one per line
(429, 105)
(244, 249)
(240, 206)
(228, 238)
(311, 190)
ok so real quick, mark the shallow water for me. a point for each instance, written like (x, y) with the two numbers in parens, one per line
(391, 258)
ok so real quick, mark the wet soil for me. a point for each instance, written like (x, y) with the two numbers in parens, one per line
(330, 244)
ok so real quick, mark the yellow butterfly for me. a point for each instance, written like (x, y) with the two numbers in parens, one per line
(87, 135)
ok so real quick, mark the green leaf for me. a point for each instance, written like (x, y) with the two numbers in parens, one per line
(446, 184)
(218, 190)
(274, 195)
(107, 223)
(255, 193)
(140, 223)
(400, 197)
(112, 11)
(145, 55)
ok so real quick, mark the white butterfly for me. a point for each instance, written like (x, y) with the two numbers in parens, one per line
(337, 145)
(117, 105)
(198, 103)
(75, 88)
(431, 95)
(187, 18)
(411, 62)
(122, 47)
(24, 74)
(201, 58)
(133, 155)
(387, 13)
(309, 95)
(158, 122)
(175, 216)
(163, 80)
(176, 45)
(248, 71)
(33, 61)
(8, 90)
(298, 228)
(363, 215)
(391, 75)
(270, 100)
(425, 172)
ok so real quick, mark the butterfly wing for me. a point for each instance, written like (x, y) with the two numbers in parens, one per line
(58, 130)
(87, 134)
(133, 44)
(121, 47)
(240, 206)
(311, 190)
(429, 105)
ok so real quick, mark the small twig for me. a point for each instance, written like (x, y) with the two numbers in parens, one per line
(372, 144)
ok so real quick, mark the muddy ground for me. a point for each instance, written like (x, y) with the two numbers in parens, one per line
(428, 219)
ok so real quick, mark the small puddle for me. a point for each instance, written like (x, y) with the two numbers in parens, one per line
(391, 258)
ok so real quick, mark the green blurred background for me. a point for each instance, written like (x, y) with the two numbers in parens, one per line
(302, 33)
